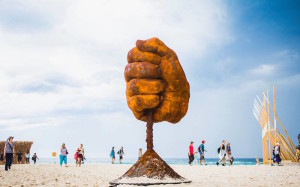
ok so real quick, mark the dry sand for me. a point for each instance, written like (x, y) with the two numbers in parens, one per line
(101, 174)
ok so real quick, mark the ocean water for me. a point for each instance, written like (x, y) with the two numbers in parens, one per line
(177, 161)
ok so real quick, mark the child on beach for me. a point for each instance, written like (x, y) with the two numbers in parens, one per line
(221, 152)
(140, 153)
(83, 159)
(112, 155)
(63, 155)
(191, 153)
(34, 157)
(121, 153)
(80, 154)
(201, 151)
(27, 156)
(196, 158)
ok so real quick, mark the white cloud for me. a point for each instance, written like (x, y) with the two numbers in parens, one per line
(264, 70)
(71, 55)
(61, 75)
(26, 124)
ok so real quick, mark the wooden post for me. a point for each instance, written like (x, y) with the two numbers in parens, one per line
(269, 129)
(274, 111)
(264, 121)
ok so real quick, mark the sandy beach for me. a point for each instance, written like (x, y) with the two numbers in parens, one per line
(101, 174)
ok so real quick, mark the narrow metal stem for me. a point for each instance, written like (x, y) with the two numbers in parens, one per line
(149, 131)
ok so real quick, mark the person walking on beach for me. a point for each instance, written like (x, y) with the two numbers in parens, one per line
(229, 158)
(19, 157)
(9, 150)
(221, 152)
(140, 153)
(191, 153)
(121, 153)
(34, 157)
(63, 155)
(201, 151)
(80, 154)
(27, 157)
(112, 155)
(196, 160)
(277, 153)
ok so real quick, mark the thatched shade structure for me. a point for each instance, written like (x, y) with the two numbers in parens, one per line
(22, 146)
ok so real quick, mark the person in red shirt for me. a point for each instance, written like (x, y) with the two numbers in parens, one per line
(191, 153)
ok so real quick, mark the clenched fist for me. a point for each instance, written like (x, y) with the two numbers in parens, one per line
(156, 81)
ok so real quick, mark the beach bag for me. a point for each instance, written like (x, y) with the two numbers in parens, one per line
(67, 151)
(76, 156)
(199, 149)
(118, 152)
(219, 150)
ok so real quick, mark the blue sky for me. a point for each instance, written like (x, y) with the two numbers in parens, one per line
(62, 63)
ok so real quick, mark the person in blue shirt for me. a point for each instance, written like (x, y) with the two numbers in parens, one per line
(112, 155)
(201, 152)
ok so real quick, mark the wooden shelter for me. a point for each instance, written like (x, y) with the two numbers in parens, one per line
(22, 146)
(266, 115)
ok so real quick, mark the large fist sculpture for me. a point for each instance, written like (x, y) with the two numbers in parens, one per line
(156, 81)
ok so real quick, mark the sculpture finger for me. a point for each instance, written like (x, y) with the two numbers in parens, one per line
(174, 75)
(172, 108)
(144, 87)
(142, 70)
(153, 45)
(134, 55)
(141, 102)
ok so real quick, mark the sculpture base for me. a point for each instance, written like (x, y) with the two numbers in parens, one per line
(150, 170)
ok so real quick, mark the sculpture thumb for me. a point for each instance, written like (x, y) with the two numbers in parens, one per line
(153, 45)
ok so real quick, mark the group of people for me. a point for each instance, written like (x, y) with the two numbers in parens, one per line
(9, 151)
(224, 153)
(192, 154)
(121, 153)
(27, 157)
(112, 155)
(79, 155)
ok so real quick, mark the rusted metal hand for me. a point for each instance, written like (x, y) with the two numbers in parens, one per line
(156, 80)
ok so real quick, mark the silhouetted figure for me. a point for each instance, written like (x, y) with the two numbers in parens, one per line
(1, 158)
(19, 157)
(34, 157)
